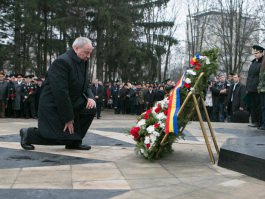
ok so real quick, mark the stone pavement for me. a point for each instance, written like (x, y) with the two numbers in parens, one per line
(112, 169)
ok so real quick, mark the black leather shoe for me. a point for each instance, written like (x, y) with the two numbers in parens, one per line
(78, 147)
(253, 125)
(23, 140)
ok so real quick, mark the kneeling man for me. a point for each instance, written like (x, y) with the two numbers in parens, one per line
(66, 104)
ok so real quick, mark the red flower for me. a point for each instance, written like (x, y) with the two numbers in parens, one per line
(156, 125)
(165, 111)
(187, 85)
(135, 132)
(158, 109)
(148, 145)
(147, 113)
(197, 67)
(195, 63)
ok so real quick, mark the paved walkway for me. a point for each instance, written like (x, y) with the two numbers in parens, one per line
(112, 169)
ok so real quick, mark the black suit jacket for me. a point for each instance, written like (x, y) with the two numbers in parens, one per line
(238, 97)
(98, 92)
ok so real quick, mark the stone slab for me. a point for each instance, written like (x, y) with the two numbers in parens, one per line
(245, 155)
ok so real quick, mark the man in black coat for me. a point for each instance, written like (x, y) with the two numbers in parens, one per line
(252, 84)
(236, 96)
(150, 97)
(66, 106)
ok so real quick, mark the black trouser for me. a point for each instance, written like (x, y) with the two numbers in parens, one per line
(262, 100)
(82, 122)
(29, 107)
(254, 107)
(99, 106)
(9, 109)
(2, 108)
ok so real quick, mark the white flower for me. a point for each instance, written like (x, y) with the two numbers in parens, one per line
(147, 140)
(153, 110)
(187, 80)
(150, 129)
(191, 72)
(141, 123)
(206, 59)
(153, 138)
(142, 150)
(161, 116)
(156, 134)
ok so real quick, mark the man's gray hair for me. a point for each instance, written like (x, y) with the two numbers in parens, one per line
(81, 41)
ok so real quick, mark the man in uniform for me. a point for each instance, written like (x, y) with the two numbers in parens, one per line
(66, 106)
(29, 91)
(18, 105)
(252, 84)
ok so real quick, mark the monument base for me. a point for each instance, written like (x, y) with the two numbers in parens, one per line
(245, 155)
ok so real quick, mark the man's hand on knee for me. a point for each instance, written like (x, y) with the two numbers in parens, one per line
(69, 126)
(90, 103)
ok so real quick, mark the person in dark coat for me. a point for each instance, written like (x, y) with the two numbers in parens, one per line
(66, 106)
(29, 90)
(223, 88)
(38, 92)
(18, 105)
(114, 93)
(252, 84)
(261, 91)
(215, 98)
(123, 92)
(150, 97)
(97, 90)
(160, 94)
(236, 96)
(3, 94)
(11, 96)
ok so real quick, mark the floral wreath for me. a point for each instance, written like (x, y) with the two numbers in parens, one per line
(151, 125)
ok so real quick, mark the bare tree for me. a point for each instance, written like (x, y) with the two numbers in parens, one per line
(236, 31)
(197, 21)
(170, 39)
(261, 17)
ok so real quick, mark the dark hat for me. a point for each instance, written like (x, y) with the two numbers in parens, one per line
(19, 74)
(257, 48)
(12, 75)
(29, 76)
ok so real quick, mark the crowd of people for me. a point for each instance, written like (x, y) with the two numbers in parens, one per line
(19, 95)
(134, 98)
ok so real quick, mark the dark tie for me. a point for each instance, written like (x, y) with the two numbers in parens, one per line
(233, 92)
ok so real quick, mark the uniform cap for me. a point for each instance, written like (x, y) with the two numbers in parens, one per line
(257, 48)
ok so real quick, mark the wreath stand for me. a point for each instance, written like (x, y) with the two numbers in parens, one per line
(200, 98)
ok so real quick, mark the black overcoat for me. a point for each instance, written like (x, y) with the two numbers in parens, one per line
(62, 97)
(253, 75)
